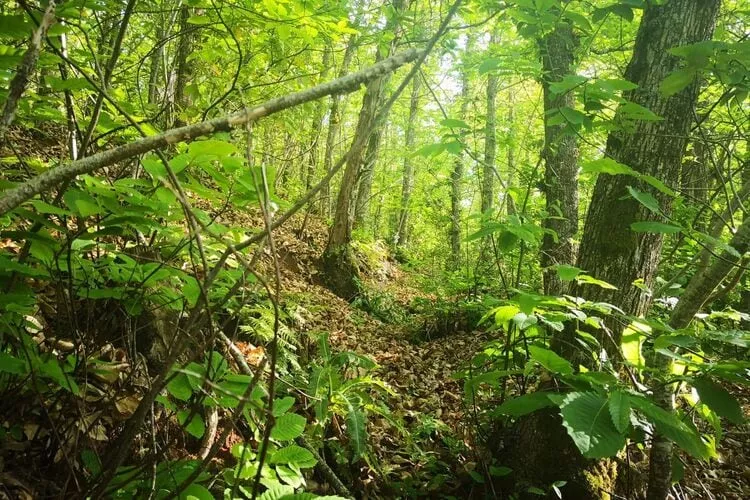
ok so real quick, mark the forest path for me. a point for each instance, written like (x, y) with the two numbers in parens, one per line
(427, 397)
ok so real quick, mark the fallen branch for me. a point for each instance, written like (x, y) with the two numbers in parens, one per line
(12, 198)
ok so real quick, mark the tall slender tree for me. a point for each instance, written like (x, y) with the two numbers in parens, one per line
(402, 229)
(557, 54)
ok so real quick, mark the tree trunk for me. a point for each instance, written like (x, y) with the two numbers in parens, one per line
(317, 123)
(490, 139)
(402, 229)
(367, 170)
(610, 250)
(185, 68)
(340, 265)
(364, 187)
(457, 177)
(334, 127)
(557, 53)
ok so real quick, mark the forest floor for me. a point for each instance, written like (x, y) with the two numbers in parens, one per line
(428, 397)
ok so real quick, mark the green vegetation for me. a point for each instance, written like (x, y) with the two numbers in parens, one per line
(285, 249)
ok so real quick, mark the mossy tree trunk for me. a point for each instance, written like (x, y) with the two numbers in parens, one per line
(609, 249)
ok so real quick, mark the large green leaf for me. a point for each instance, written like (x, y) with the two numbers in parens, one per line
(654, 227)
(288, 427)
(645, 199)
(719, 400)
(550, 360)
(523, 405)
(670, 426)
(293, 455)
(277, 492)
(589, 424)
(356, 427)
(619, 410)
(607, 166)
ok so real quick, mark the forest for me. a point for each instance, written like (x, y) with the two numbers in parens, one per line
(374, 249)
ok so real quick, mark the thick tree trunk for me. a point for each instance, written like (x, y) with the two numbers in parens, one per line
(457, 175)
(402, 229)
(557, 53)
(340, 264)
(610, 250)
(334, 127)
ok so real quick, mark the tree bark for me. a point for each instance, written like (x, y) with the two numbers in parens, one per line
(367, 169)
(610, 250)
(340, 265)
(557, 53)
(402, 229)
(317, 123)
(490, 138)
(334, 127)
(457, 175)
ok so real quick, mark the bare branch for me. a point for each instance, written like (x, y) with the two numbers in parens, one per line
(12, 198)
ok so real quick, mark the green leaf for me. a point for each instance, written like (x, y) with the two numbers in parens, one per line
(276, 492)
(719, 400)
(567, 83)
(633, 111)
(589, 424)
(670, 426)
(281, 406)
(11, 364)
(196, 492)
(180, 387)
(590, 280)
(454, 123)
(567, 272)
(523, 405)
(654, 227)
(288, 427)
(645, 199)
(619, 410)
(356, 428)
(431, 149)
(622, 11)
(550, 360)
(607, 166)
(293, 455)
(677, 80)
(195, 427)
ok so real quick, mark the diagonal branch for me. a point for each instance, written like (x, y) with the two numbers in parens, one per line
(14, 197)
